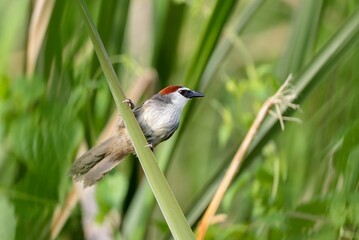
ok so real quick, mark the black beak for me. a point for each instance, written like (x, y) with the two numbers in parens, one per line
(193, 94)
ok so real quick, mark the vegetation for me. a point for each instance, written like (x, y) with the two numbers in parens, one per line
(298, 183)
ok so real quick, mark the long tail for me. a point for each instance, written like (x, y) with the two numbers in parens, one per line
(99, 160)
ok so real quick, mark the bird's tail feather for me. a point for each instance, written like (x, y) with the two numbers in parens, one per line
(90, 158)
(99, 170)
(99, 160)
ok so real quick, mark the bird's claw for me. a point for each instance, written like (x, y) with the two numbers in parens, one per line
(129, 102)
(150, 146)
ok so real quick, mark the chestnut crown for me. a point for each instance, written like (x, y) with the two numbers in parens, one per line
(185, 92)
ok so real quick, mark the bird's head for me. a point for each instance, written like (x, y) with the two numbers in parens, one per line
(160, 115)
(179, 95)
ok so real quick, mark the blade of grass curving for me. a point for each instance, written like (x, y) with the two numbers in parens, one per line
(166, 200)
(206, 46)
(168, 21)
(322, 64)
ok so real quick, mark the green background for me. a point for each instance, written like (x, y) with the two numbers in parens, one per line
(300, 183)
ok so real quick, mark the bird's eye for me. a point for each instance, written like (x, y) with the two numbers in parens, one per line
(184, 92)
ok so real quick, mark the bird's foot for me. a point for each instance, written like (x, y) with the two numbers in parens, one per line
(150, 146)
(129, 102)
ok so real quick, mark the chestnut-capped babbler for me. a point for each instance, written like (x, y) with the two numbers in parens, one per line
(158, 118)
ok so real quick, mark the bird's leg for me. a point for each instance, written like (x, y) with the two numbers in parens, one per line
(129, 102)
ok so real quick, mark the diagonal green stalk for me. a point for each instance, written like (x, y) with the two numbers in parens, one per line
(165, 198)
(135, 222)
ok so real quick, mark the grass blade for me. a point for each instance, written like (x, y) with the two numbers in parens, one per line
(167, 203)
(205, 49)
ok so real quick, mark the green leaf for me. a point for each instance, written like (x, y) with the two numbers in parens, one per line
(41, 140)
(43, 147)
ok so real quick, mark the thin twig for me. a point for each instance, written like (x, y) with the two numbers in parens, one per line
(278, 99)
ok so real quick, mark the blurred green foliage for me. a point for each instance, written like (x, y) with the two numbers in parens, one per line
(301, 183)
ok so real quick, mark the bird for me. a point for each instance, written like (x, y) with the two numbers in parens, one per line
(158, 118)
